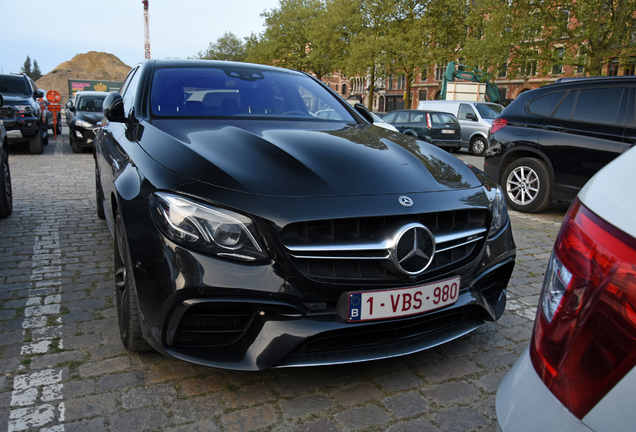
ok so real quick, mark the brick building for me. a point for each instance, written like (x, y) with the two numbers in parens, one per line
(389, 92)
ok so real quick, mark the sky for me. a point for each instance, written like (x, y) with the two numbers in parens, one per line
(52, 32)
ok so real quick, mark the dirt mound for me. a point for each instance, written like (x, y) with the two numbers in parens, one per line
(90, 66)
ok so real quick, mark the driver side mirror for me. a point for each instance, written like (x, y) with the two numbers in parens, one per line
(471, 116)
(364, 112)
(113, 108)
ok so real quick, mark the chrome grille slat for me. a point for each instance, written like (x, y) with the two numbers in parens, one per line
(358, 249)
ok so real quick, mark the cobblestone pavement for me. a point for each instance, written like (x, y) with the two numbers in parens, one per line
(63, 367)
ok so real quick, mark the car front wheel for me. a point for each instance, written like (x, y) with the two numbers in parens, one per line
(127, 309)
(526, 185)
(6, 194)
(36, 143)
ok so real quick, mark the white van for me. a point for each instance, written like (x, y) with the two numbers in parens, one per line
(475, 119)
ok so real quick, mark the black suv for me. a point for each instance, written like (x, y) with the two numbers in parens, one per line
(550, 141)
(21, 111)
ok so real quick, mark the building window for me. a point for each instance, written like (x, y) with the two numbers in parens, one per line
(344, 89)
(390, 82)
(439, 73)
(503, 92)
(528, 68)
(401, 84)
(424, 74)
(422, 95)
(557, 68)
(336, 87)
(612, 69)
(503, 69)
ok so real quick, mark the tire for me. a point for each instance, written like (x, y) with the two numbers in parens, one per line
(45, 138)
(478, 146)
(125, 293)
(99, 196)
(58, 128)
(526, 183)
(6, 193)
(35, 143)
(76, 148)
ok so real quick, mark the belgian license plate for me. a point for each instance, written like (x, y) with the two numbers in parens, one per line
(375, 305)
(448, 131)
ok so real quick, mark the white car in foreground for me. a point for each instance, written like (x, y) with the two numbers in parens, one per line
(579, 372)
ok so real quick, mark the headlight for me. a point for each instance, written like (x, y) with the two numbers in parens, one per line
(24, 109)
(499, 210)
(205, 228)
(84, 124)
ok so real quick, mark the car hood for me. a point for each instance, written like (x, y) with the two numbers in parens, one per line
(295, 158)
(91, 117)
(17, 100)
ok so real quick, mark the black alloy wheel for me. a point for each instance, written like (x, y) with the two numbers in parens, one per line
(6, 194)
(127, 310)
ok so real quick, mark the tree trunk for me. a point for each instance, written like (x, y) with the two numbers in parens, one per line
(371, 89)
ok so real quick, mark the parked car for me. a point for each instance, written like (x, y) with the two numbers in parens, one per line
(439, 128)
(6, 193)
(579, 372)
(85, 120)
(21, 113)
(250, 233)
(475, 118)
(550, 141)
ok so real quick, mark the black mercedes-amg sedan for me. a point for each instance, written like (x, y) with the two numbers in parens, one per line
(252, 233)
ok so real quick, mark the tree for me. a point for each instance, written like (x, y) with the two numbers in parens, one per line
(36, 74)
(299, 34)
(367, 32)
(26, 68)
(227, 47)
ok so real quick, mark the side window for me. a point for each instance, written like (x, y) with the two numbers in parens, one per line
(565, 109)
(465, 109)
(598, 105)
(389, 117)
(402, 117)
(545, 104)
(417, 118)
(130, 90)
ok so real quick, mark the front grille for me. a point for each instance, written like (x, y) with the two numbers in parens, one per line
(356, 250)
(7, 112)
(213, 324)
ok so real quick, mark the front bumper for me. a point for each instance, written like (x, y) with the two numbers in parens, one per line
(84, 137)
(254, 317)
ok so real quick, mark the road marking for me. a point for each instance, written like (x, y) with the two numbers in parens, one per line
(43, 302)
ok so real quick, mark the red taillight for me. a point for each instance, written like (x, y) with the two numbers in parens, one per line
(429, 123)
(584, 339)
(498, 124)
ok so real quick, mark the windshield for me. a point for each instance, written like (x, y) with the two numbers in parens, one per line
(245, 92)
(91, 103)
(489, 111)
(15, 85)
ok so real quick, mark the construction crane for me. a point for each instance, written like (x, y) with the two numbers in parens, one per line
(146, 30)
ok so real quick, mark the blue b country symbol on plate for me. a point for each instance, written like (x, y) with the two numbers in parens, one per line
(355, 301)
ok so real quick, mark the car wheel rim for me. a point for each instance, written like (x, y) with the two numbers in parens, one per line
(478, 146)
(523, 185)
(121, 281)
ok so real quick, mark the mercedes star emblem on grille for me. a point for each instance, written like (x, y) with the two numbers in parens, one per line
(414, 250)
(406, 201)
